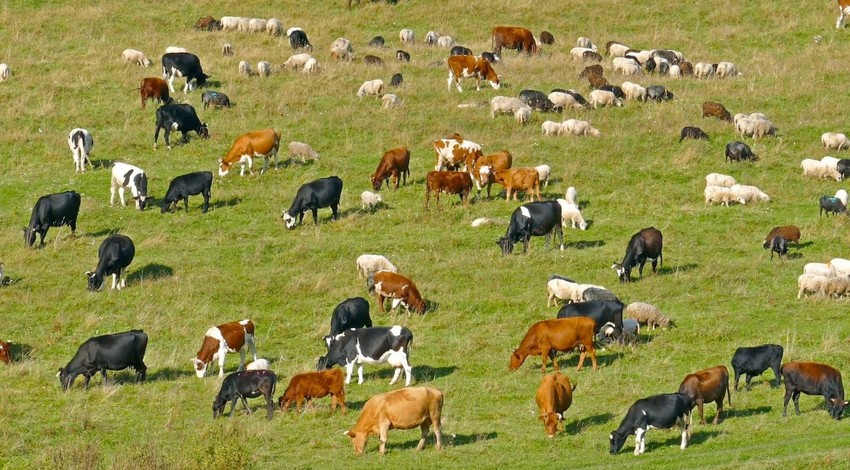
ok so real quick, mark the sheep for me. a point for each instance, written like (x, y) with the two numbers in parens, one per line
(571, 195)
(831, 162)
(481, 221)
(370, 200)
(631, 331)
(603, 98)
(763, 128)
(616, 49)
(342, 43)
(300, 149)
(406, 36)
(244, 24)
(596, 81)
(396, 80)
(834, 140)
(431, 38)
(259, 364)
(594, 69)
(551, 128)
(173, 49)
(227, 49)
(297, 60)
(717, 179)
(831, 204)
(543, 172)
(564, 100)
(647, 314)
(836, 287)
(577, 53)
(505, 105)
(586, 43)
(245, 68)
(778, 245)
(818, 169)
(371, 88)
(687, 68)
(229, 23)
(368, 265)
(641, 56)
(579, 128)
(727, 69)
(703, 70)
(744, 194)
(311, 66)
(5, 72)
(674, 72)
(840, 266)
(264, 69)
(633, 91)
(820, 269)
(627, 66)
(595, 293)
(292, 30)
(719, 194)
(257, 25)
(136, 57)
(339, 53)
(560, 289)
(811, 283)
(570, 212)
(522, 115)
(390, 101)
(445, 41)
(274, 27)
(842, 195)
(788, 232)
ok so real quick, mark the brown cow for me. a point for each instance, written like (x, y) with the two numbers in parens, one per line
(482, 170)
(222, 339)
(310, 385)
(450, 182)
(514, 37)
(263, 143)
(5, 352)
(395, 162)
(717, 110)
(790, 233)
(399, 288)
(515, 180)
(561, 334)
(813, 378)
(467, 66)
(709, 385)
(554, 397)
(154, 88)
(405, 408)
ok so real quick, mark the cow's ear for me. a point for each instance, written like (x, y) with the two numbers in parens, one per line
(89, 273)
(560, 416)
(59, 372)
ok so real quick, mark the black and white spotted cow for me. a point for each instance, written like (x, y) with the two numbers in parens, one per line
(80, 142)
(374, 345)
(657, 411)
(125, 175)
(183, 64)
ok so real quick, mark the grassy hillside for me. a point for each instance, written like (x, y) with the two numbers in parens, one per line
(195, 270)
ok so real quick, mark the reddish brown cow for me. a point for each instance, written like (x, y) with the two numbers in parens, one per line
(154, 88)
(5, 352)
(263, 143)
(390, 285)
(513, 37)
(709, 385)
(791, 233)
(515, 180)
(468, 66)
(813, 378)
(554, 397)
(450, 182)
(482, 170)
(310, 385)
(395, 162)
(561, 334)
(222, 339)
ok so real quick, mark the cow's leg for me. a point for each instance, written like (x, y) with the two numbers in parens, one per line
(265, 164)
(166, 136)
(171, 83)
(685, 433)
(360, 374)
(544, 358)
(315, 212)
(221, 355)
(396, 375)
(747, 381)
(841, 15)
(581, 356)
(796, 398)
(269, 403)
(115, 281)
(103, 374)
(349, 368)
(245, 404)
(249, 340)
(719, 410)
(186, 202)
(560, 233)
(737, 376)
(206, 205)
(334, 210)
(426, 424)
(638, 439)
(121, 195)
(233, 405)
(382, 433)
(449, 82)
(477, 83)
(241, 360)
(788, 393)
(592, 352)
(701, 416)
(525, 243)
(775, 368)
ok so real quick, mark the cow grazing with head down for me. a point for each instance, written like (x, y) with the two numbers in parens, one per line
(155, 89)
(183, 186)
(644, 245)
(5, 352)
(468, 66)
(515, 180)
(246, 384)
(657, 411)
(532, 219)
(394, 163)
(372, 346)
(248, 146)
(125, 175)
(324, 192)
(455, 152)
(117, 351)
(390, 285)
(114, 255)
(183, 64)
(449, 182)
(52, 210)
(350, 313)
(554, 397)
(80, 142)
(178, 117)
(222, 339)
(310, 385)
(813, 378)
(513, 37)
(709, 385)
(546, 337)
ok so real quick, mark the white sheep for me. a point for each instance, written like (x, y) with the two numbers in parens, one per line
(618, 50)
(586, 43)
(523, 115)
(244, 25)
(745, 194)
(675, 71)
(371, 88)
(174, 49)
(390, 101)
(577, 53)
(257, 25)
(5, 72)
(311, 66)
(505, 105)
(571, 213)
(840, 266)
(551, 128)
(626, 66)
(406, 36)
(300, 149)
(819, 269)
(642, 56)
(842, 195)
(719, 194)
(445, 41)
(340, 53)
(259, 364)
(482, 221)
(229, 23)
(136, 57)
(543, 173)
(264, 69)
(564, 100)
(245, 68)
(274, 27)
(342, 43)
(831, 162)
(763, 128)
(647, 314)
(297, 60)
(631, 330)
(579, 128)
(811, 283)
(370, 200)
(603, 98)
(571, 195)
(227, 49)
(727, 69)
(633, 91)
(559, 289)
(703, 70)
(818, 169)
(718, 179)
(836, 287)
(834, 140)
(370, 264)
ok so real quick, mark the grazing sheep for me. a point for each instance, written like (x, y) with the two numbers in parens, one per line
(577, 53)
(390, 101)
(257, 25)
(811, 284)
(259, 364)
(297, 60)
(834, 140)
(564, 100)
(227, 49)
(744, 194)
(717, 110)
(368, 265)
(274, 27)
(842, 195)
(594, 69)
(543, 172)
(172, 49)
(586, 43)
(647, 314)
(505, 105)
(136, 57)
(627, 66)
(790, 233)
(836, 287)
(406, 36)
(831, 162)
(658, 93)
(717, 179)
(616, 49)
(377, 41)
(631, 330)
(603, 98)
(396, 80)
(736, 151)
(245, 68)
(579, 128)
(5, 72)
(481, 221)
(633, 91)
(703, 70)
(445, 41)
(719, 194)
(342, 43)
(264, 69)
(595, 293)
(551, 128)
(570, 212)
(229, 23)
(596, 81)
(431, 38)
(522, 115)
(779, 246)
(402, 56)
(300, 149)
(831, 204)
(687, 69)
(689, 132)
(571, 195)
(370, 200)
(311, 66)
(340, 53)
(560, 289)
(373, 60)
(818, 169)
(840, 266)
(727, 69)
(675, 71)
(547, 38)
(371, 88)
(820, 269)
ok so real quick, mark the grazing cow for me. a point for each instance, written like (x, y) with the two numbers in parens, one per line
(656, 411)
(390, 285)
(183, 186)
(689, 132)
(407, 408)
(310, 385)
(456, 152)
(843, 11)
(546, 337)
(512, 37)
(183, 64)
(298, 40)
(248, 146)
(114, 255)
(754, 360)
(324, 192)
(178, 117)
(80, 142)
(717, 110)
(222, 339)
(601, 311)
(215, 98)
(449, 182)
(350, 313)
(737, 151)
(831, 204)
(372, 346)
(779, 246)
(790, 233)
(532, 220)
(394, 163)
(709, 385)
(5, 352)
(482, 170)
(644, 245)
(467, 66)
(128, 176)
(155, 89)
(52, 210)
(813, 378)
(246, 384)
(117, 351)
(554, 397)
(515, 180)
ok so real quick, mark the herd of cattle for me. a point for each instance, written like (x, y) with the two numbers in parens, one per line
(354, 341)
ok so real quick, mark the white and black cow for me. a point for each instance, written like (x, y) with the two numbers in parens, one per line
(125, 175)
(644, 245)
(246, 384)
(52, 210)
(349, 314)
(532, 219)
(601, 311)
(108, 352)
(324, 192)
(80, 142)
(114, 255)
(373, 346)
(183, 64)
(190, 184)
(657, 411)
(755, 360)
(178, 117)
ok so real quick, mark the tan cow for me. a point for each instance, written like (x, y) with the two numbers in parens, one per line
(263, 143)
(482, 170)
(554, 397)
(395, 163)
(453, 151)
(560, 334)
(515, 180)
(709, 385)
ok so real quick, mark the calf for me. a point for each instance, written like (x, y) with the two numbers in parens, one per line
(831, 204)
(514, 37)
(116, 351)
(215, 98)
(813, 378)
(753, 361)
(222, 339)
(52, 210)
(128, 176)
(178, 117)
(515, 180)
(644, 245)
(248, 146)
(689, 132)
(601, 311)
(114, 255)
(350, 313)
(183, 64)
(242, 385)
(466, 66)
(156, 89)
(323, 192)
(546, 337)
(532, 219)
(5, 352)
(394, 163)
(656, 411)
(706, 386)
(310, 385)
(455, 152)
(449, 182)
(373, 346)
(80, 142)
(400, 409)
(737, 151)
(390, 285)
(482, 170)
(183, 186)
(778, 245)
(554, 397)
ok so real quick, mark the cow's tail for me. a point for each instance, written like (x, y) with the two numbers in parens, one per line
(728, 391)
(136, 89)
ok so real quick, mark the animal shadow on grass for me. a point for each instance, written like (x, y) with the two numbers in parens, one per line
(20, 351)
(569, 360)
(745, 412)
(803, 245)
(300, 161)
(213, 84)
(225, 202)
(426, 374)
(102, 232)
(697, 437)
(151, 271)
(583, 244)
(170, 373)
(448, 440)
(102, 163)
(575, 427)
(682, 268)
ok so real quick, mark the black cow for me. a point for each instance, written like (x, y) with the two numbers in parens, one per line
(183, 64)
(843, 168)
(298, 40)
(402, 55)
(618, 92)
(595, 293)
(755, 360)
(246, 384)
(396, 82)
(490, 57)
(190, 184)
(656, 411)
(658, 93)
(644, 245)
(460, 50)
(108, 352)
(601, 311)
(532, 220)
(324, 192)
(778, 245)
(52, 210)
(736, 151)
(350, 313)
(377, 41)
(179, 117)
(538, 100)
(215, 98)
(113, 257)
(813, 378)
(371, 345)
(689, 132)
(831, 204)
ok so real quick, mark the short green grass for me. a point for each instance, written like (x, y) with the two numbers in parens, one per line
(192, 270)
